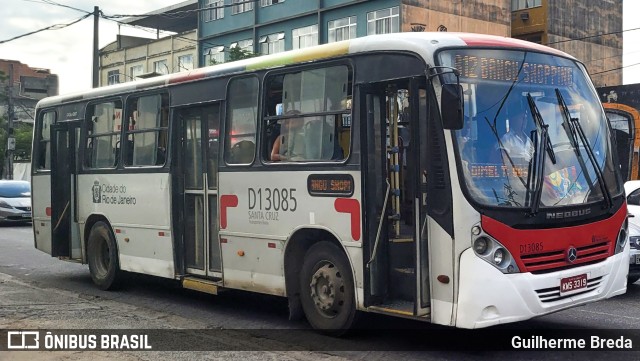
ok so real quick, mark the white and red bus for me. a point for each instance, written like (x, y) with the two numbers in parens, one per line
(399, 195)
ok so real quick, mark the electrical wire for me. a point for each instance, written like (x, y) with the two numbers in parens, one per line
(51, 27)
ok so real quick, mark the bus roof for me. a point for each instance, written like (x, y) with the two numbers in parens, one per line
(423, 43)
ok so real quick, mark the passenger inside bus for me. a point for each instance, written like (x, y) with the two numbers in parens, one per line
(290, 144)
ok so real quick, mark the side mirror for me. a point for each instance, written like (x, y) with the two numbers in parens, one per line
(452, 106)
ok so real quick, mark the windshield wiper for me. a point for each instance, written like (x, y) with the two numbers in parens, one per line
(536, 173)
(539, 157)
(540, 124)
(574, 127)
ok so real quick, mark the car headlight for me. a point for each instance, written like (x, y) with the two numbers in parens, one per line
(623, 235)
(634, 242)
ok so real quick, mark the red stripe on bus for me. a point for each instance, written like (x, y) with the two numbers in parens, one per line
(540, 249)
(271, 245)
(161, 234)
(118, 230)
(498, 41)
(48, 211)
(223, 240)
(351, 206)
(193, 75)
(226, 201)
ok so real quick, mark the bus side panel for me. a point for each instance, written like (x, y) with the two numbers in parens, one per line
(260, 211)
(137, 207)
(41, 211)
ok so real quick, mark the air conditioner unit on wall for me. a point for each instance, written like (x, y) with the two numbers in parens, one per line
(524, 16)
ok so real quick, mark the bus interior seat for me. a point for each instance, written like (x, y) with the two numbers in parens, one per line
(242, 152)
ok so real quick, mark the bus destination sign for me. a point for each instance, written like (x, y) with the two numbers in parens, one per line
(328, 185)
(489, 68)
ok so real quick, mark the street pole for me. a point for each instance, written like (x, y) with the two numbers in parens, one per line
(96, 17)
(11, 141)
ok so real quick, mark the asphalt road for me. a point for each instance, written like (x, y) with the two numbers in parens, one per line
(38, 291)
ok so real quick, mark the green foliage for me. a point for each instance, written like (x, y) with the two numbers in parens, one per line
(23, 133)
(238, 54)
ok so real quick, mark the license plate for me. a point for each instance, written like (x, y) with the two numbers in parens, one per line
(26, 215)
(570, 284)
(638, 259)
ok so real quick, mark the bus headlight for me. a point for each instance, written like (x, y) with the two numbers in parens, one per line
(498, 256)
(481, 245)
(494, 253)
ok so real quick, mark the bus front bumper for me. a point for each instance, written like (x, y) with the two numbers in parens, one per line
(489, 297)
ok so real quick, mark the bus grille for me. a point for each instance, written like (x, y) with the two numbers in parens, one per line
(552, 294)
(557, 260)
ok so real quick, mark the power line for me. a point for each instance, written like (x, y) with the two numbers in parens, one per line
(184, 13)
(51, 27)
(614, 69)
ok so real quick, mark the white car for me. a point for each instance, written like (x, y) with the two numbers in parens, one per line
(15, 201)
(634, 254)
(632, 190)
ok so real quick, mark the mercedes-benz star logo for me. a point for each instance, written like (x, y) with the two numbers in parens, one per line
(572, 254)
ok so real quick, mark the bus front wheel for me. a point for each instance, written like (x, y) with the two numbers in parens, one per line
(102, 257)
(326, 289)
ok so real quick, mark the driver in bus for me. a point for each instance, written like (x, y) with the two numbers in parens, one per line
(290, 144)
(516, 142)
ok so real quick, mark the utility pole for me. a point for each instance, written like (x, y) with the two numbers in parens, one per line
(96, 17)
(11, 140)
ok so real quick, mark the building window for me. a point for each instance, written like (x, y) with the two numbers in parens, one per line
(383, 21)
(271, 44)
(146, 135)
(135, 71)
(185, 62)
(214, 55)
(246, 45)
(242, 112)
(524, 4)
(264, 3)
(217, 11)
(103, 135)
(113, 77)
(241, 6)
(305, 37)
(161, 67)
(342, 29)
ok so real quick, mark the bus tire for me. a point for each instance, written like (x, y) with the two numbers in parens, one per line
(102, 256)
(327, 289)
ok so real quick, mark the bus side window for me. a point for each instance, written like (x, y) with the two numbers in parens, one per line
(104, 123)
(44, 141)
(147, 130)
(242, 112)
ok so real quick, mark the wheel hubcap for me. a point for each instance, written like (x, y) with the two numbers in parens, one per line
(327, 290)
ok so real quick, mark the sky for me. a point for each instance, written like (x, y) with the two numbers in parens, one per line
(67, 52)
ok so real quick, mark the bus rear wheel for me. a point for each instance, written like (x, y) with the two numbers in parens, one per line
(102, 255)
(327, 290)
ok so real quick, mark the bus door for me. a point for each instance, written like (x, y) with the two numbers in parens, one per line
(394, 186)
(65, 230)
(198, 157)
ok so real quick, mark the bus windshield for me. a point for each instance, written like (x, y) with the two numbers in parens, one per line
(534, 132)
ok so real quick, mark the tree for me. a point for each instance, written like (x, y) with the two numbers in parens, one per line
(236, 53)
